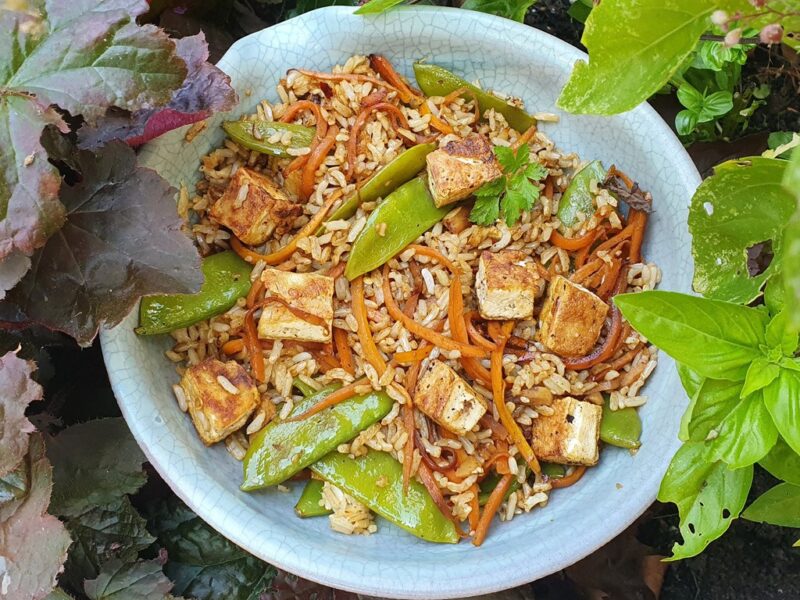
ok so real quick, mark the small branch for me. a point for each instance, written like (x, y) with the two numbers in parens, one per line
(708, 37)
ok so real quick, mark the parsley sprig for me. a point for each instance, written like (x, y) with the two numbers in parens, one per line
(512, 193)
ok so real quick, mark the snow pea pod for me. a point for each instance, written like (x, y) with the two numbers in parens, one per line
(284, 448)
(309, 503)
(255, 135)
(621, 428)
(490, 482)
(401, 218)
(227, 278)
(577, 197)
(405, 166)
(438, 81)
(376, 480)
(303, 387)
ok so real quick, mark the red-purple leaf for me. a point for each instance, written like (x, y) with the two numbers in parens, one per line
(122, 240)
(17, 390)
(205, 91)
(33, 544)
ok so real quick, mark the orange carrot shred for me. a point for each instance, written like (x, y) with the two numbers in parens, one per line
(491, 508)
(368, 347)
(332, 399)
(571, 479)
(343, 350)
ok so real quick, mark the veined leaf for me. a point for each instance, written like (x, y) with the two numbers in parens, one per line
(709, 496)
(717, 339)
(635, 46)
(122, 240)
(745, 434)
(510, 9)
(741, 205)
(791, 240)
(692, 382)
(782, 399)
(17, 390)
(33, 544)
(141, 580)
(375, 7)
(777, 506)
(760, 374)
(783, 463)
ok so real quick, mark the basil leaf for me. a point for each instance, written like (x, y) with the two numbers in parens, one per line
(791, 244)
(746, 434)
(715, 105)
(375, 7)
(713, 401)
(777, 506)
(510, 9)
(780, 334)
(741, 205)
(692, 382)
(716, 339)
(709, 496)
(782, 399)
(690, 98)
(775, 294)
(635, 46)
(760, 374)
(783, 463)
(685, 122)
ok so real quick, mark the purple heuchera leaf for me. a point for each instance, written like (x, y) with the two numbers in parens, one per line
(33, 544)
(122, 240)
(205, 91)
(17, 390)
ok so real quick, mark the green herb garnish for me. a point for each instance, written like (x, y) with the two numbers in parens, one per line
(512, 193)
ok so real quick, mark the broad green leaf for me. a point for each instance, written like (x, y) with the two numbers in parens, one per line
(709, 496)
(118, 580)
(95, 464)
(783, 463)
(713, 400)
(777, 506)
(745, 434)
(510, 9)
(760, 374)
(715, 105)
(692, 382)
(716, 339)
(780, 334)
(686, 121)
(202, 563)
(742, 204)
(101, 533)
(791, 240)
(690, 98)
(775, 294)
(782, 399)
(375, 7)
(635, 46)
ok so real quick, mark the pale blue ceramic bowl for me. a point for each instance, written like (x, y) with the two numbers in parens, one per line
(506, 56)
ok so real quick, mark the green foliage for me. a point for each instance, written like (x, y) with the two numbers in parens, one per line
(510, 9)
(783, 463)
(741, 205)
(777, 506)
(708, 494)
(202, 563)
(512, 194)
(118, 580)
(376, 7)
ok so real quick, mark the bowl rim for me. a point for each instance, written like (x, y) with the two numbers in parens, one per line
(289, 560)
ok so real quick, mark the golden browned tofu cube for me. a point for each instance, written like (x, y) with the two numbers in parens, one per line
(506, 285)
(220, 396)
(253, 207)
(311, 298)
(569, 436)
(458, 169)
(449, 400)
(571, 318)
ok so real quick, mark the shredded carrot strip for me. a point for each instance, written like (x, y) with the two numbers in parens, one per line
(435, 121)
(412, 356)
(568, 480)
(385, 69)
(565, 243)
(343, 350)
(253, 347)
(297, 312)
(609, 278)
(623, 234)
(638, 219)
(498, 395)
(361, 120)
(500, 462)
(327, 361)
(580, 258)
(525, 137)
(368, 347)
(614, 365)
(426, 477)
(474, 513)
(233, 346)
(411, 303)
(408, 450)
(462, 91)
(322, 129)
(275, 258)
(491, 508)
(586, 271)
(420, 330)
(474, 334)
(336, 270)
(315, 159)
(255, 290)
(332, 399)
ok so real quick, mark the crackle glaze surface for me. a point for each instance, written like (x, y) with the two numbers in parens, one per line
(509, 57)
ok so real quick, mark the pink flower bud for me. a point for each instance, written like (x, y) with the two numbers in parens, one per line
(771, 34)
(733, 36)
(719, 18)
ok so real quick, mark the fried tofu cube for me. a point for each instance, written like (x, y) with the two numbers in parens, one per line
(220, 396)
(307, 293)
(506, 285)
(460, 167)
(571, 318)
(570, 435)
(254, 208)
(448, 399)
